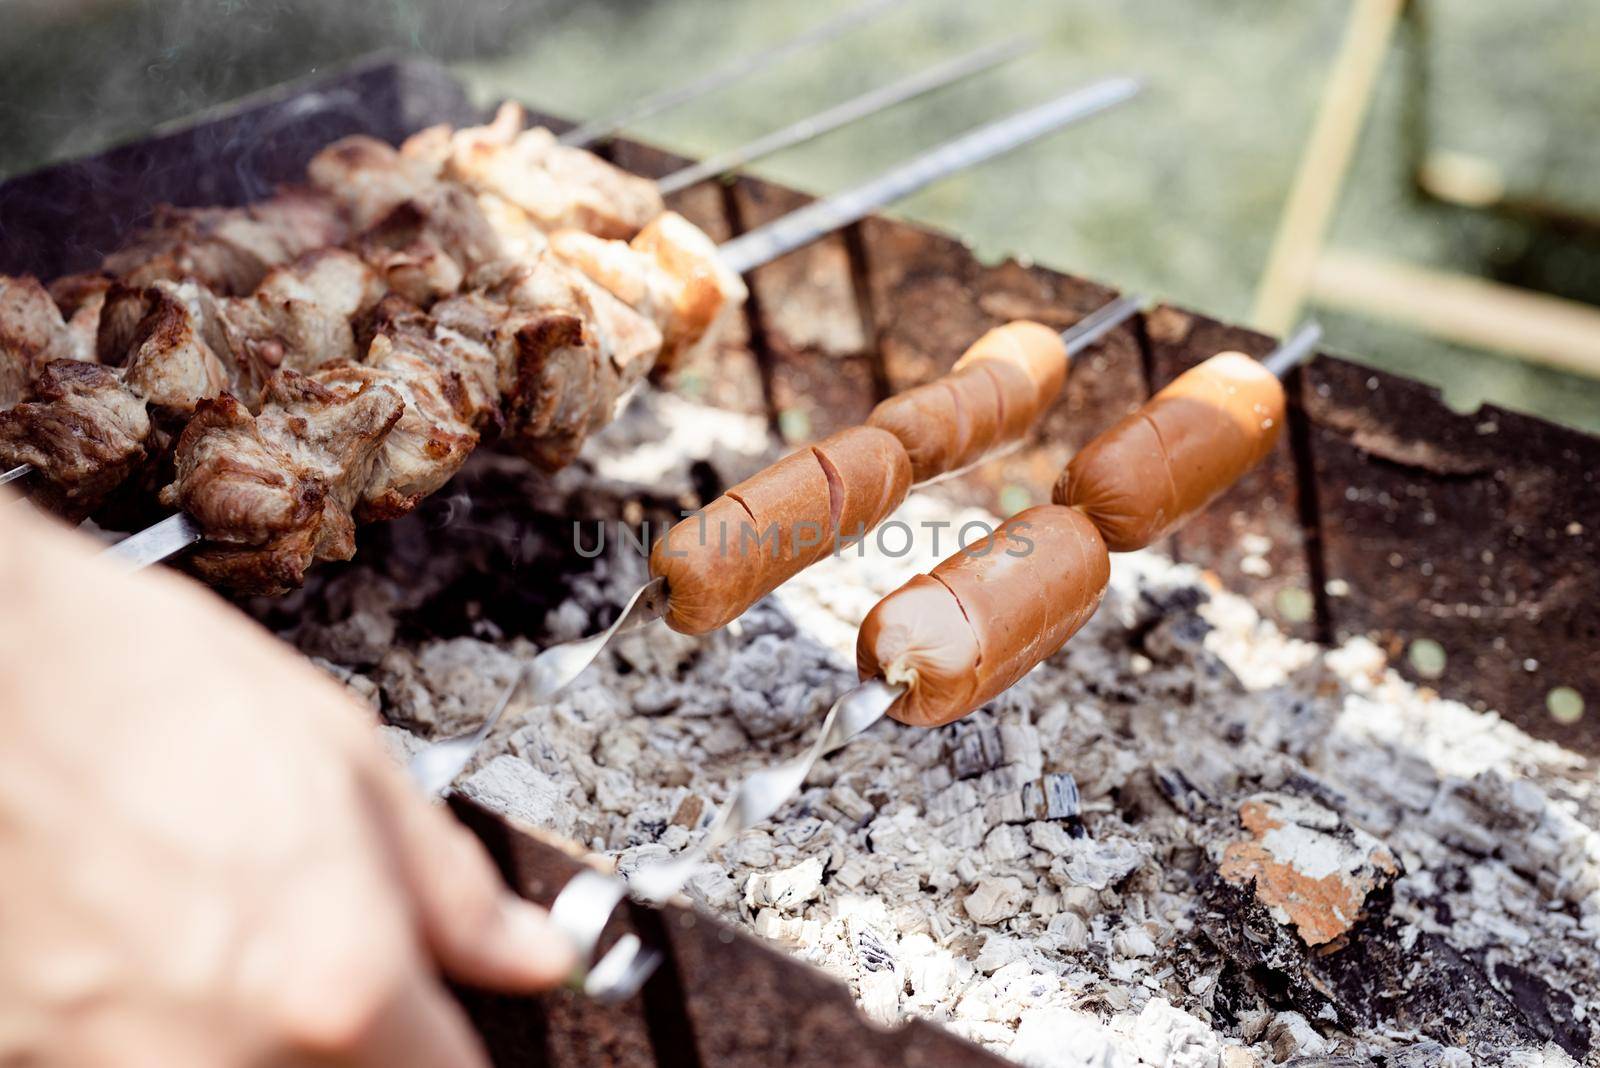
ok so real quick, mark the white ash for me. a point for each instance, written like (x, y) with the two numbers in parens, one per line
(915, 866)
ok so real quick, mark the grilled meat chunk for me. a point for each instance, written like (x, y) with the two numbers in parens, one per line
(368, 178)
(559, 187)
(427, 246)
(274, 492)
(567, 352)
(84, 431)
(32, 333)
(81, 298)
(175, 363)
(228, 250)
(301, 317)
(670, 272)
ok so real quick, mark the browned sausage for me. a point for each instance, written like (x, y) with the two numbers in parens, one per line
(991, 398)
(962, 634)
(1141, 479)
(773, 525)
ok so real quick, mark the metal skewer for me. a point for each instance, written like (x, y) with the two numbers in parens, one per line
(1294, 350)
(799, 228)
(584, 905)
(15, 473)
(841, 115)
(606, 126)
(1100, 322)
(435, 767)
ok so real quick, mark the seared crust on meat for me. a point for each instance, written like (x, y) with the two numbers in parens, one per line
(228, 250)
(559, 187)
(32, 333)
(274, 492)
(83, 431)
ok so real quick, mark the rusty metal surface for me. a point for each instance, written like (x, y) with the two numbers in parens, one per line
(1265, 504)
(1480, 532)
(812, 335)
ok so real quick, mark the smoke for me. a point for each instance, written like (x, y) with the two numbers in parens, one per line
(77, 75)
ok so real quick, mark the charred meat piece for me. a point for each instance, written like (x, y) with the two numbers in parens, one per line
(32, 334)
(84, 432)
(274, 492)
(571, 351)
(175, 363)
(559, 187)
(228, 250)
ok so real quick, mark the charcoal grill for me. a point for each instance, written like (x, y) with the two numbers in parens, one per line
(1384, 512)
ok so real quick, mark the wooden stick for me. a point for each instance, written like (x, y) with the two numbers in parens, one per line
(1325, 163)
(1473, 311)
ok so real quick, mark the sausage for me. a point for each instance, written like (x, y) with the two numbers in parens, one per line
(991, 398)
(773, 525)
(962, 634)
(1140, 480)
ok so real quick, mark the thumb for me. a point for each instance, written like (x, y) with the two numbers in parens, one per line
(480, 932)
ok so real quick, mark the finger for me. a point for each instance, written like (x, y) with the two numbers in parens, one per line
(478, 931)
(421, 1027)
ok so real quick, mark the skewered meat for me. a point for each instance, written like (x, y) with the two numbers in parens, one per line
(543, 353)
(963, 633)
(368, 178)
(275, 492)
(300, 317)
(81, 298)
(777, 523)
(228, 250)
(992, 398)
(425, 247)
(32, 333)
(671, 272)
(577, 350)
(174, 363)
(1143, 478)
(84, 428)
(559, 187)
(182, 345)
(436, 432)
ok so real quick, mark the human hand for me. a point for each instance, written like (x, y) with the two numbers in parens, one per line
(208, 859)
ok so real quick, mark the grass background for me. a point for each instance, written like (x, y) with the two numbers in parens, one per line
(1176, 196)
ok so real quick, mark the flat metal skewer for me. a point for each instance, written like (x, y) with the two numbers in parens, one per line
(841, 115)
(15, 473)
(800, 228)
(1100, 322)
(436, 766)
(609, 125)
(585, 904)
